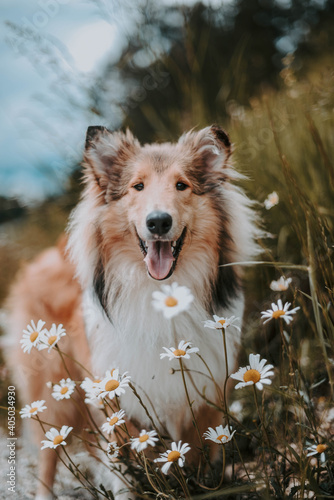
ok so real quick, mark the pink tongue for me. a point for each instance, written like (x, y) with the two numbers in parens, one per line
(159, 259)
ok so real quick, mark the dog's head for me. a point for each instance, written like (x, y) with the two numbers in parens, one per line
(159, 187)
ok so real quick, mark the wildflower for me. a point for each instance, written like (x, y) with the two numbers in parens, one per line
(55, 437)
(220, 322)
(32, 336)
(91, 389)
(51, 337)
(172, 300)
(176, 454)
(271, 200)
(280, 285)
(115, 419)
(219, 435)
(182, 351)
(64, 389)
(144, 440)
(112, 450)
(279, 311)
(316, 449)
(255, 373)
(112, 385)
(29, 410)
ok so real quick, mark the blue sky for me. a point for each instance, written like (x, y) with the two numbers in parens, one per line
(37, 145)
(39, 141)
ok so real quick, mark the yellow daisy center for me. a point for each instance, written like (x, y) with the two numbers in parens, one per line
(32, 410)
(143, 438)
(282, 287)
(173, 456)
(252, 376)
(63, 390)
(321, 448)
(33, 336)
(179, 352)
(58, 439)
(171, 302)
(222, 322)
(221, 437)
(52, 339)
(278, 314)
(113, 421)
(111, 385)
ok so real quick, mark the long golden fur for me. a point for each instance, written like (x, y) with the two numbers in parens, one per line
(149, 214)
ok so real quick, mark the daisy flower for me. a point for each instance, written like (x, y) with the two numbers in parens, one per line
(316, 449)
(279, 311)
(51, 337)
(271, 200)
(183, 350)
(280, 285)
(29, 410)
(32, 336)
(112, 450)
(64, 389)
(90, 388)
(219, 435)
(176, 454)
(255, 373)
(172, 300)
(55, 437)
(112, 385)
(144, 440)
(220, 322)
(115, 419)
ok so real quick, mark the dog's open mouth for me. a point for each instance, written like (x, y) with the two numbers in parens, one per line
(161, 256)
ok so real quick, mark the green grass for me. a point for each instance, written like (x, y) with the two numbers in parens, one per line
(283, 143)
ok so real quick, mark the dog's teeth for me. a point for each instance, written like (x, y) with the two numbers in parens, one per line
(173, 243)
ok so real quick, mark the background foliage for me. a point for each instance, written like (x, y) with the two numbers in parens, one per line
(189, 67)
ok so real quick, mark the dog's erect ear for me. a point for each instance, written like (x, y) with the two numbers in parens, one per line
(106, 154)
(209, 149)
(212, 142)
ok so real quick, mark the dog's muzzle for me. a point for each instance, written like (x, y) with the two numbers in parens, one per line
(160, 253)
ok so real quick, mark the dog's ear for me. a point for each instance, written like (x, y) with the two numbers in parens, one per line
(209, 150)
(106, 154)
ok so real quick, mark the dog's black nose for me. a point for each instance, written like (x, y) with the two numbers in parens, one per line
(159, 222)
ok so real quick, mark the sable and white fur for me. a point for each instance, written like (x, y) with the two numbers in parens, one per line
(213, 222)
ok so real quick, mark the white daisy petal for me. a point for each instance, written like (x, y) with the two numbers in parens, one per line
(32, 336)
(183, 350)
(56, 438)
(114, 420)
(50, 338)
(255, 373)
(63, 390)
(172, 300)
(219, 435)
(176, 454)
(221, 322)
(278, 311)
(31, 410)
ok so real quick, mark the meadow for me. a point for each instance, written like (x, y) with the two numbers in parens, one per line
(283, 143)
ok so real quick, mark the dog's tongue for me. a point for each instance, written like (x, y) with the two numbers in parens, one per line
(159, 259)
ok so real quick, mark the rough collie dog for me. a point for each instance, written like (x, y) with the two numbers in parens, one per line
(149, 215)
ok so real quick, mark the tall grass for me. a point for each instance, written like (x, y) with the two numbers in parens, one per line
(283, 143)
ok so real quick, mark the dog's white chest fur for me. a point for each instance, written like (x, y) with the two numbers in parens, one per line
(133, 341)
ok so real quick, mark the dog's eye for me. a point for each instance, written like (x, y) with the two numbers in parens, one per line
(139, 186)
(181, 186)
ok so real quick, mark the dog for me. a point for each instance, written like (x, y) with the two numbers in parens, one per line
(149, 215)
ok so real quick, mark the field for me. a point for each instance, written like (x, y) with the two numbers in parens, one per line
(283, 144)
